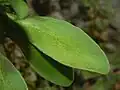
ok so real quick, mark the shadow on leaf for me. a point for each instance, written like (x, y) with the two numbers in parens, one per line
(64, 70)
(16, 33)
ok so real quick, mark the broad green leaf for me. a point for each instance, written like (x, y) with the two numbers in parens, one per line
(65, 43)
(20, 7)
(10, 78)
(50, 69)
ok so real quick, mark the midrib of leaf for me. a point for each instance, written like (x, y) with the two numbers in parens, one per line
(57, 39)
(46, 31)
(76, 49)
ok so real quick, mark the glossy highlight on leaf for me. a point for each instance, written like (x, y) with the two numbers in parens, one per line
(10, 78)
(65, 43)
(49, 69)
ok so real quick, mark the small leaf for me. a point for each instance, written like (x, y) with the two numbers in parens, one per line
(50, 69)
(20, 7)
(10, 78)
(65, 43)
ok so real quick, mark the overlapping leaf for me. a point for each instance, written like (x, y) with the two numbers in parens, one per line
(50, 69)
(10, 78)
(20, 7)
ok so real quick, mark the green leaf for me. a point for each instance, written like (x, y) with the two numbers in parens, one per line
(65, 43)
(50, 69)
(10, 78)
(20, 7)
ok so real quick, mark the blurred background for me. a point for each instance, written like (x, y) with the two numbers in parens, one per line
(100, 19)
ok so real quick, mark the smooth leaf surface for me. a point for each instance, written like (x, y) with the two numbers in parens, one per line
(65, 43)
(20, 7)
(10, 78)
(50, 69)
